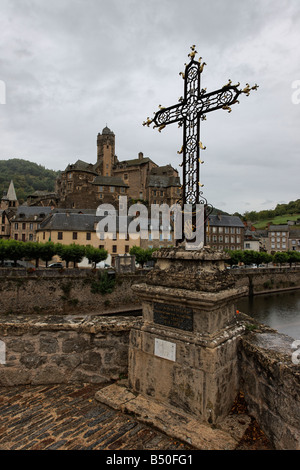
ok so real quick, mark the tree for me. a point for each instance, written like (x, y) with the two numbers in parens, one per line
(293, 257)
(47, 251)
(15, 250)
(280, 257)
(142, 255)
(71, 253)
(33, 251)
(95, 255)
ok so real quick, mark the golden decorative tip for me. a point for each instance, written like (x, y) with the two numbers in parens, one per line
(161, 107)
(147, 122)
(202, 146)
(227, 84)
(201, 161)
(161, 127)
(227, 108)
(182, 74)
(180, 151)
(202, 67)
(201, 185)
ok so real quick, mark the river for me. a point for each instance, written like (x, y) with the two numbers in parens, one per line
(280, 311)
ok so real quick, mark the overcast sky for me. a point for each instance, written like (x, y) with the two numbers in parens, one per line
(71, 67)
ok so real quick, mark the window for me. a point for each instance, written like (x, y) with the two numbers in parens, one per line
(31, 226)
(3, 228)
(221, 238)
(247, 246)
(232, 230)
(122, 190)
(214, 229)
(100, 189)
(88, 235)
(126, 248)
(16, 226)
(23, 237)
(238, 230)
(226, 229)
(114, 248)
(16, 236)
(112, 189)
(101, 247)
(74, 235)
(59, 235)
(125, 176)
(23, 226)
(30, 237)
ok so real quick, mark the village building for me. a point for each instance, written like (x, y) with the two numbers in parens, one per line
(225, 232)
(26, 221)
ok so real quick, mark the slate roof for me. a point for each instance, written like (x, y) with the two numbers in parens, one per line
(73, 222)
(109, 181)
(162, 181)
(225, 221)
(133, 162)
(80, 165)
(30, 212)
(11, 193)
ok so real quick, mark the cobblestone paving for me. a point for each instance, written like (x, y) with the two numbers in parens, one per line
(67, 417)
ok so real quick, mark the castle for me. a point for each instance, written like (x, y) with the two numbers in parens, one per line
(86, 185)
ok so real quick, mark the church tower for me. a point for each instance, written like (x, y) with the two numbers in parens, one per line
(9, 200)
(105, 152)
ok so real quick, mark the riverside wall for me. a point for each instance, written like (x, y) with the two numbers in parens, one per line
(78, 290)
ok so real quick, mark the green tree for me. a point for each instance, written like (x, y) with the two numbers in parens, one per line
(72, 253)
(293, 257)
(47, 251)
(15, 250)
(95, 255)
(281, 257)
(142, 255)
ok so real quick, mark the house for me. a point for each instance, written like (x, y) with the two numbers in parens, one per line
(225, 232)
(26, 221)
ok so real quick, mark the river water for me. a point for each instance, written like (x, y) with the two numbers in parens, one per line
(280, 311)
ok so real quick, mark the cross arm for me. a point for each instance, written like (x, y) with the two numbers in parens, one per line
(223, 98)
(165, 116)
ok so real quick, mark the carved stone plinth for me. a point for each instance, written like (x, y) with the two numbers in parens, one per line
(184, 353)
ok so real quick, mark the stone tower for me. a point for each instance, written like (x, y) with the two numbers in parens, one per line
(9, 200)
(105, 152)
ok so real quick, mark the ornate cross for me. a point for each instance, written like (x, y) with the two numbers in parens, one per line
(192, 107)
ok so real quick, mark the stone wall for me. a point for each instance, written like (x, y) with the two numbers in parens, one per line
(69, 291)
(267, 280)
(271, 383)
(51, 349)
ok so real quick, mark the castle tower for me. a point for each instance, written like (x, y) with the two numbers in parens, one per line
(9, 200)
(105, 152)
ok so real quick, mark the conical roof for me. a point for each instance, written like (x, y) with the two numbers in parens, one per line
(11, 193)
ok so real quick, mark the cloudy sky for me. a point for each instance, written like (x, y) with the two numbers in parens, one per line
(71, 67)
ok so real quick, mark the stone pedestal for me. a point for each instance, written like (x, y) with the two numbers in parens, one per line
(184, 353)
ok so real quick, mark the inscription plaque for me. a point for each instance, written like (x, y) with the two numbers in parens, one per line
(173, 316)
(165, 349)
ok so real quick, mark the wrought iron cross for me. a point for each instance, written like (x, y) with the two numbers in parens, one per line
(192, 107)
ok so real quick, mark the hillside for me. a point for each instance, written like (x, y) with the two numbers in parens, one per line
(280, 215)
(27, 177)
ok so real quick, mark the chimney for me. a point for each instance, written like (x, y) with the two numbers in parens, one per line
(141, 155)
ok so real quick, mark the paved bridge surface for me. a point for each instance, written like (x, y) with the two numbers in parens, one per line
(67, 417)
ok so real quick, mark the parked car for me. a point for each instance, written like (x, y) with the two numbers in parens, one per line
(55, 265)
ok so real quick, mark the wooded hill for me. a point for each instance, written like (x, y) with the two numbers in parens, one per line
(28, 177)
